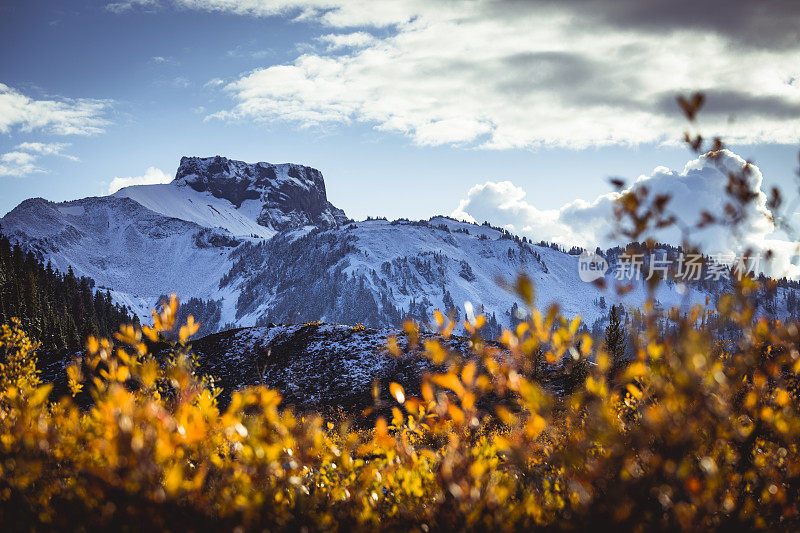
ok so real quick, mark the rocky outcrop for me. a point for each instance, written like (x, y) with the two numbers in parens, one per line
(283, 196)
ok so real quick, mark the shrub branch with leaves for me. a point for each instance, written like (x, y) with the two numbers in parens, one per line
(687, 435)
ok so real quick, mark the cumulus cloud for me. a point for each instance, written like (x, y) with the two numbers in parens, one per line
(700, 186)
(769, 24)
(516, 74)
(151, 176)
(61, 117)
(22, 160)
(336, 13)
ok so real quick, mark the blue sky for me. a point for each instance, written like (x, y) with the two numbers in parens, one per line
(403, 107)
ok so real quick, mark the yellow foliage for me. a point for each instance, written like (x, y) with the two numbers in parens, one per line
(688, 437)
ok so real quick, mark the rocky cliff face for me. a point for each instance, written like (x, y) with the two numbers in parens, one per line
(281, 196)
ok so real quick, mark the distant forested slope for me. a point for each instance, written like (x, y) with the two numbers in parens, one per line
(59, 310)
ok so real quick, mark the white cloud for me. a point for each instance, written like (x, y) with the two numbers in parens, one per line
(61, 117)
(247, 52)
(699, 186)
(151, 176)
(338, 41)
(22, 160)
(519, 75)
(336, 13)
(18, 164)
(46, 149)
(127, 5)
(213, 83)
(162, 60)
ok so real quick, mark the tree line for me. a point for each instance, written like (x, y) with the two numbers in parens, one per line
(59, 310)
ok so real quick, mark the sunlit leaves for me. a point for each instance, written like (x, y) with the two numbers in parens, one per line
(17, 359)
(188, 329)
(710, 432)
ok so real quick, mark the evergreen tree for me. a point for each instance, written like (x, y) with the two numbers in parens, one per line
(58, 310)
(615, 341)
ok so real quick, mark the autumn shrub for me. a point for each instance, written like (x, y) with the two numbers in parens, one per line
(691, 434)
(690, 437)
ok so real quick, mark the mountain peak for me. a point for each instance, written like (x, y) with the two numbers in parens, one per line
(283, 195)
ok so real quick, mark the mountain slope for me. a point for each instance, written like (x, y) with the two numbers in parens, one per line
(202, 208)
(315, 366)
(58, 310)
(257, 243)
(122, 246)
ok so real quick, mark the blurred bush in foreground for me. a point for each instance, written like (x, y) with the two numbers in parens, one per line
(689, 435)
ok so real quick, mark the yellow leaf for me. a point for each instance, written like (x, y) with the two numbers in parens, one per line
(635, 370)
(150, 333)
(74, 372)
(435, 352)
(427, 391)
(393, 347)
(525, 289)
(456, 414)
(654, 350)
(505, 415)
(634, 390)
(92, 346)
(535, 426)
(439, 318)
(468, 373)
(412, 405)
(397, 417)
(586, 345)
(468, 400)
(381, 429)
(173, 479)
(397, 392)
(40, 394)
(449, 381)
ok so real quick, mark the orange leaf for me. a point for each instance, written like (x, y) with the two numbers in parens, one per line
(397, 392)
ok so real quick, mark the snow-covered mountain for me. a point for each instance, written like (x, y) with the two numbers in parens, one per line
(249, 244)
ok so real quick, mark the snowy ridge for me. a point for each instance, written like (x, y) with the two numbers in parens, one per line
(379, 273)
(260, 243)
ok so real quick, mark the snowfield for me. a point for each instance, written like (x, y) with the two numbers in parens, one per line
(202, 208)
